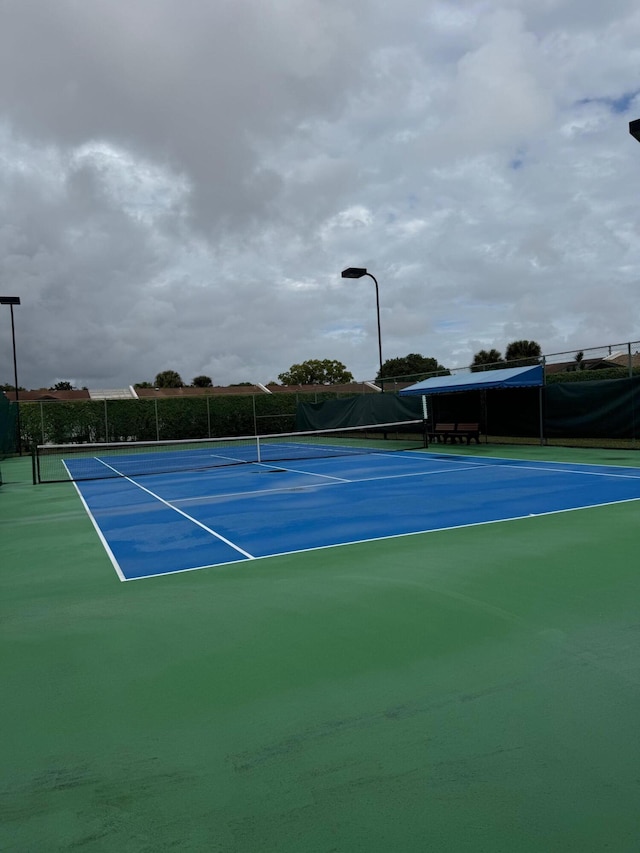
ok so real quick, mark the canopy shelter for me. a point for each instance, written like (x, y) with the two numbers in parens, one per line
(509, 377)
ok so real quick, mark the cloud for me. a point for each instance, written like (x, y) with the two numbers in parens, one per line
(181, 183)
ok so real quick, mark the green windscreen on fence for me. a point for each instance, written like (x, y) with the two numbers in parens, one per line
(357, 411)
(606, 408)
(8, 421)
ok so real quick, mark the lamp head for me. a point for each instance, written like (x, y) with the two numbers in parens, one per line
(354, 272)
(9, 300)
(634, 129)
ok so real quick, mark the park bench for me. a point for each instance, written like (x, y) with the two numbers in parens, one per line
(441, 432)
(444, 432)
(467, 431)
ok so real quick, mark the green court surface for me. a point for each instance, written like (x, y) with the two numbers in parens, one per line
(465, 690)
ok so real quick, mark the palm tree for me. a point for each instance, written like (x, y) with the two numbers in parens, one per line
(523, 353)
(487, 360)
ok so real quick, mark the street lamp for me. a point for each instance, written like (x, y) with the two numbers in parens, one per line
(634, 129)
(11, 301)
(359, 272)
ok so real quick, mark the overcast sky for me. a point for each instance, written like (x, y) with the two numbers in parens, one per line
(182, 182)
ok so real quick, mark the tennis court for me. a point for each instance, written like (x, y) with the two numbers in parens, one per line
(193, 519)
(459, 674)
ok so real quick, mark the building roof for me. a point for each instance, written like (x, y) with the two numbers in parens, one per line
(189, 391)
(47, 395)
(619, 361)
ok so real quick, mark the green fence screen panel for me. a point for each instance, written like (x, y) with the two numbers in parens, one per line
(608, 408)
(8, 426)
(358, 411)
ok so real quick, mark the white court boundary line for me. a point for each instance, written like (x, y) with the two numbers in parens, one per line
(541, 468)
(93, 520)
(531, 463)
(383, 538)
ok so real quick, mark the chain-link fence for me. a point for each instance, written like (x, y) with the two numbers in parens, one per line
(155, 419)
(602, 413)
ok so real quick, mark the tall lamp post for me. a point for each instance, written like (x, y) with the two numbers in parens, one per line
(359, 272)
(11, 301)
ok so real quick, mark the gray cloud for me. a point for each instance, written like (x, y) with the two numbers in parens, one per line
(181, 183)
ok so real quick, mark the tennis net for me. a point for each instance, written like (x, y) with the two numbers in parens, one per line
(54, 463)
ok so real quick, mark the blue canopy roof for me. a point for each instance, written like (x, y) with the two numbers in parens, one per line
(510, 377)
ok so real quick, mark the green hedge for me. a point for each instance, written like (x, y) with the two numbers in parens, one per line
(590, 375)
(58, 422)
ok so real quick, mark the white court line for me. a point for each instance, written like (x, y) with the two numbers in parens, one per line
(540, 468)
(573, 471)
(389, 536)
(540, 465)
(457, 470)
(471, 466)
(423, 473)
(297, 471)
(310, 486)
(180, 512)
(503, 462)
(101, 537)
(254, 493)
(233, 459)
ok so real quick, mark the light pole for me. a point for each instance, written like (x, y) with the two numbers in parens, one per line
(11, 301)
(358, 272)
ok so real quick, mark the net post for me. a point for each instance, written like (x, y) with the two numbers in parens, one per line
(33, 464)
(258, 459)
(425, 433)
(425, 418)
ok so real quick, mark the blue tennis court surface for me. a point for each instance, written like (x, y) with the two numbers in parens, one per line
(160, 524)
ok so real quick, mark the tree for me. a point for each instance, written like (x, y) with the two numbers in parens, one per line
(412, 367)
(169, 379)
(487, 360)
(202, 382)
(143, 385)
(579, 360)
(316, 372)
(62, 386)
(523, 353)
